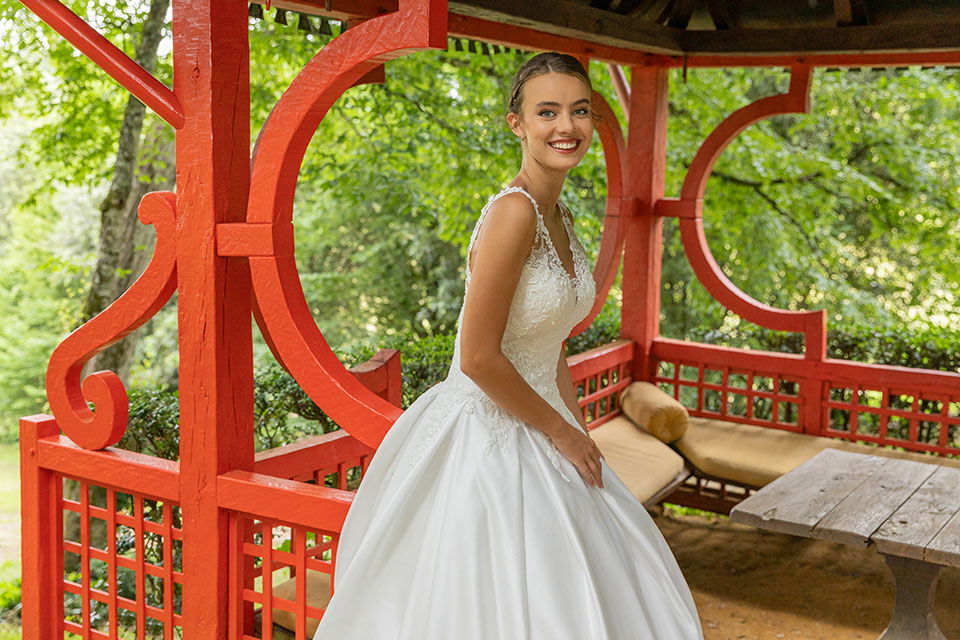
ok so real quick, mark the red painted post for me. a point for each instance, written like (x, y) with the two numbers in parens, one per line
(41, 535)
(643, 246)
(211, 80)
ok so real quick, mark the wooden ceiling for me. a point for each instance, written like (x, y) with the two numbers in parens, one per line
(725, 27)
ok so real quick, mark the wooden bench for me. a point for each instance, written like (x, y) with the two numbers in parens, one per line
(655, 464)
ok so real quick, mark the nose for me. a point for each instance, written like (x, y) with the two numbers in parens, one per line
(566, 124)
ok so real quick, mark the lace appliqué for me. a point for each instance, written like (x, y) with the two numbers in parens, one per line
(547, 304)
(456, 396)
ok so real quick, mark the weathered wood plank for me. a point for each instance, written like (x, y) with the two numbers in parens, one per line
(865, 509)
(795, 502)
(945, 546)
(917, 528)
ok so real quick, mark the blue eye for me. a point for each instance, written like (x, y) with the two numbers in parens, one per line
(584, 110)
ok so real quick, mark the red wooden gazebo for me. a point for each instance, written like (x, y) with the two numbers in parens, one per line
(203, 530)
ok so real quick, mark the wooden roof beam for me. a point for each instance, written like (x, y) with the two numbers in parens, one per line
(876, 38)
(530, 35)
(633, 7)
(573, 20)
(850, 12)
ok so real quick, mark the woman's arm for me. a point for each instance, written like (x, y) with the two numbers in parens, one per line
(567, 390)
(502, 245)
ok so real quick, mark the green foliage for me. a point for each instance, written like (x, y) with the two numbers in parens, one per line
(154, 423)
(851, 207)
(604, 329)
(930, 348)
(9, 598)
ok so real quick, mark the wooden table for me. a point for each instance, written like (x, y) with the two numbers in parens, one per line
(909, 511)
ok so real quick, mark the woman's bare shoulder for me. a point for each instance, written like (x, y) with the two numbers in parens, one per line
(509, 226)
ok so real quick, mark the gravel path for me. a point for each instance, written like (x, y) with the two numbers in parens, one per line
(751, 584)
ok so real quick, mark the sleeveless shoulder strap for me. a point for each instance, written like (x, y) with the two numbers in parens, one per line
(541, 229)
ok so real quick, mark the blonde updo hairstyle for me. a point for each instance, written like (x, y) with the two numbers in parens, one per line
(546, 62)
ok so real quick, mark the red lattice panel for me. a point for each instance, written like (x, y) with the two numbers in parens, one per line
(599, 375)
(121, 563)
(723, 392)
(599, 393)
(290, 551)
(909, 418)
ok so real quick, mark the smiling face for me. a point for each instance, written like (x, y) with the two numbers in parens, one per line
(557, 120)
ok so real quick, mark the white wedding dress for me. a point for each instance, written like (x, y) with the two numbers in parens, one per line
(470, 525)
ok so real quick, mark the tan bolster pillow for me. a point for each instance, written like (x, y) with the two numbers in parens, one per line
(653, 410)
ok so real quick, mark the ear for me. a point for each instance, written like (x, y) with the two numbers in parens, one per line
(515, 125)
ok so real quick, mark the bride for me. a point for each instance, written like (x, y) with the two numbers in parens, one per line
(488, 512)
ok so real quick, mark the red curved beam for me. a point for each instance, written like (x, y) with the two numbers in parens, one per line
(689, 209)
(612, 238)
(108, 57)
(621, 86)
(281, 309)
(68, 402)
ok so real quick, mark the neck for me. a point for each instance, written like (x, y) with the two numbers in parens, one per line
(544, 186)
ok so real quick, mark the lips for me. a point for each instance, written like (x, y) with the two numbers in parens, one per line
(567, 145)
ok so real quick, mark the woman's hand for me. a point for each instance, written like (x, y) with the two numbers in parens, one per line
(580, 449)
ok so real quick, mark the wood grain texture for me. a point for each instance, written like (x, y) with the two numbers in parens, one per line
(902, 507)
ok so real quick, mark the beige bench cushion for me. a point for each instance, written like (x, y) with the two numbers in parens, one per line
(318, 595)
(755, 456)
(645, 464)
(658, 413)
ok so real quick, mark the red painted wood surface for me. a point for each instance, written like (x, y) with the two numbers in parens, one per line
(67, 396)
(689, 210)
(645, 160)
(611, 239)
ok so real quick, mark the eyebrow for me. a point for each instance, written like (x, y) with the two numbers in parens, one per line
(546, 103)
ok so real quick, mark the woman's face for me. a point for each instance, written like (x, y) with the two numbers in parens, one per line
(557, 120)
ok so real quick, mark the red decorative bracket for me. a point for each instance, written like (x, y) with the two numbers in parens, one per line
(279, 305)
(689, 209)
(105, 426)
(108, 57)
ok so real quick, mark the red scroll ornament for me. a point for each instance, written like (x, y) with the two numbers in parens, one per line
(68, 398)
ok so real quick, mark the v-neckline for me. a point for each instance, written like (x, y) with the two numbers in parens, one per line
(553, 245)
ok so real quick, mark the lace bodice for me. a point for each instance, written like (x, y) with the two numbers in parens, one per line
(546, 305)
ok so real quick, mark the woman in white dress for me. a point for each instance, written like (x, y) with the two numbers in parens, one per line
(488, 512)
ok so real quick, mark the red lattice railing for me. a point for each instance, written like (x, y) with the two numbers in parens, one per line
(916, 409)
(102, 539)
(295, 553)
(902, 415)
(599, 375)
(767, 398)
(122, 557)
(283, 536)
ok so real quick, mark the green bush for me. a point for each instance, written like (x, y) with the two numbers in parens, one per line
(10, 601)
(932, 348)
(283, 412)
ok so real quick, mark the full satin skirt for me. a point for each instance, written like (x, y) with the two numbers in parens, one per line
(453, 542)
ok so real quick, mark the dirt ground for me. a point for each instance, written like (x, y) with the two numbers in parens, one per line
(752, 584)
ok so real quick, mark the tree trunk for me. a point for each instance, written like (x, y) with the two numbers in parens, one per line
(141, 166)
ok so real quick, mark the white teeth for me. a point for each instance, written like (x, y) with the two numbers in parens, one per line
(563, 145)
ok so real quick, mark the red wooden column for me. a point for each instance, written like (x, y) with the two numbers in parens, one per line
(211, 79)
(643, 245)
(41, 535)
